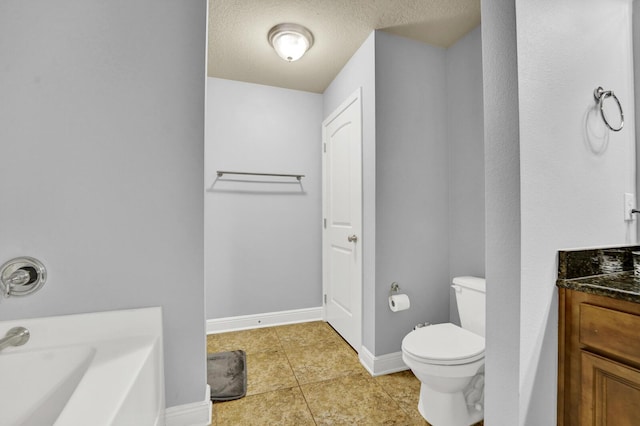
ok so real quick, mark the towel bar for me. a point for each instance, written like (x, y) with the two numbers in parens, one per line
(222, 172)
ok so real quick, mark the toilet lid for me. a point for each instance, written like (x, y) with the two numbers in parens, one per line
(444, 343)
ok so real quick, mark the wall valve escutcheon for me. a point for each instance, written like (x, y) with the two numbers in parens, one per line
(22, 276)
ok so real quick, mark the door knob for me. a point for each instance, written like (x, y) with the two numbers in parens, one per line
(352, 238)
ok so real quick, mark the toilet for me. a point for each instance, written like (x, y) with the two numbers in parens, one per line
(449, 360)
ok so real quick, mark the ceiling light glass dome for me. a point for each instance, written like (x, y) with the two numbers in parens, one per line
(290, 41)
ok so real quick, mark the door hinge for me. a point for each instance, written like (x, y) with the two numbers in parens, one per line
(324, 223)
(324, 147)
(325, 299)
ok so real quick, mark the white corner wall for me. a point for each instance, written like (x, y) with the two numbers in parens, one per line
(102, 118)
(502, 209)
(636, 82)
(465, 138)
(412, 190)
(574, 172)
(262, 240)
(360, 72)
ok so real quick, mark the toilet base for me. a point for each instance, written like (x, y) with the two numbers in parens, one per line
(447, 409)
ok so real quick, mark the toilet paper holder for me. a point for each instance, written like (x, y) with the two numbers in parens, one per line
(398, 301)
(395, 288)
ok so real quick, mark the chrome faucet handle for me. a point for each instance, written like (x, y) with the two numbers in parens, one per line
(6, 287)
(18, 277)
(21, 276)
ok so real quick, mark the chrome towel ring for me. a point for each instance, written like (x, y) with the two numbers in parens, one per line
(600, 94)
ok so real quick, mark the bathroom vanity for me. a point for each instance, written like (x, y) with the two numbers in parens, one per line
(598, 341)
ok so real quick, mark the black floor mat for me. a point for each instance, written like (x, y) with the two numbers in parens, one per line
(227, 375)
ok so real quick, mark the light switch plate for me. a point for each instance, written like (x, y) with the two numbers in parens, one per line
(629, 205)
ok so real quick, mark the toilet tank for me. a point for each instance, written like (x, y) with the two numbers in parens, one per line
(470, 298)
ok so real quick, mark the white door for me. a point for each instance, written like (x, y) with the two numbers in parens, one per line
(342, 233)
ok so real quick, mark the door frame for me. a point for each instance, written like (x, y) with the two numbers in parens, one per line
(354, 97)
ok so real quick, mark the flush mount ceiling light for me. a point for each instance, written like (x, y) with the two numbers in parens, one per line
(290, 41)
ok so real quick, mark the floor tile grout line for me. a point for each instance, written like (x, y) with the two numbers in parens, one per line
(288, 352)
(338, 346)
(383, 389)
(400, 406)
(320, 381)
(372, 378)
(296, 377)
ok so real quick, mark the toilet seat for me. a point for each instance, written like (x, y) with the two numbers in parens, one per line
(443, 344)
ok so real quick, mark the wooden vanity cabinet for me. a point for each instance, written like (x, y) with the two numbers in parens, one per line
(598, 360)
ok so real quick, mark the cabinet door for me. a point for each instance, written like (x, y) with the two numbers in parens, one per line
(610, 392)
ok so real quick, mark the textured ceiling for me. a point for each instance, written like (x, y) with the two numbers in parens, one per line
(239, 50)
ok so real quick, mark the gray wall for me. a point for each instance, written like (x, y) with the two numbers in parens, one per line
(101, 130)
(264, 239)
(465, 139)
(360, 72)
(573, 170)
(502, 207)
(409, 91)
(420, 149)
(412, 190)
(536, 154)
(636, 84)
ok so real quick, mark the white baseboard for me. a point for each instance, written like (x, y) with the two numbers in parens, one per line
(245, 322)
(383, 364)
(193, 414)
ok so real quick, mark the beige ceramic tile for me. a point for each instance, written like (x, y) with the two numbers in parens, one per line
(250, 341)
(282, 407)
(214, 422)
(337, 388)
(404, 388)
(269, 371)
(401, 386)
(307, 334)
(352, 400)
(323, 362)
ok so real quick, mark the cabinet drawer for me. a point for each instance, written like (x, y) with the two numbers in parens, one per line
(610, 331)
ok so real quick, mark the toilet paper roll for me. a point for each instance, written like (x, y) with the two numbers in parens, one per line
(399, 302)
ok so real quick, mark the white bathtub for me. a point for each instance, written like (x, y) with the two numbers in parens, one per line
(101, 368)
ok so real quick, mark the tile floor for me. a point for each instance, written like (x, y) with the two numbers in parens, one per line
(306, 374)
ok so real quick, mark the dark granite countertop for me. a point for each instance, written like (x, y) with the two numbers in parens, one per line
(622, 285)
(582, 270)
